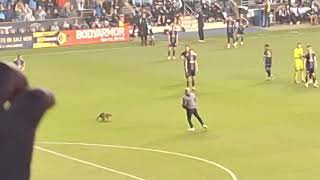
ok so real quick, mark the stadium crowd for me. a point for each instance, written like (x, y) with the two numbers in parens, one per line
(299, 11)
(39, 10)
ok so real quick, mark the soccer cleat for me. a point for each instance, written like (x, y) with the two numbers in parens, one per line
(191, 129)
(205, 126)
(306, 85)
(174, 58)
(241, 43)
(235, 45)
(169, 58)
(297, 82)
(272, 77)
(315, 85)
(228, 46)
(194, 89)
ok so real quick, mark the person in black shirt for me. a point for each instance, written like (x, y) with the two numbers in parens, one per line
(173, 39)
(267, 61)
(143, 29)
(136, 20)
(200, 19)
(310, 63)
(241, 24)
(191, 67)
(230, 31)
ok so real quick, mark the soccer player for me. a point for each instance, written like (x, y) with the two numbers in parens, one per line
(173, 42)
(311, 65)
(20, 62)
(143, 30)
(230, 31)
(191, 68)
(298, 63)
(267, 61)
(189, 103)
(241, 24)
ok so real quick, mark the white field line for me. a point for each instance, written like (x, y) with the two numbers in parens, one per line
(88, 163)
(228, 171)
(129, 47)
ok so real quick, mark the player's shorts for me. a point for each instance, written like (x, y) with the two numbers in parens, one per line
(240, 31)
(190, 73)
(230, 34)
(298, 65)
(310, 70)
(173, 44)
(267, 66)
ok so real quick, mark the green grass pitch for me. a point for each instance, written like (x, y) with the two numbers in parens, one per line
(259, 130)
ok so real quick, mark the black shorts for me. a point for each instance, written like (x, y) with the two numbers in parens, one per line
(310, 70)
(190, 73)
(173, 44)
(240, 31)
(267, 66)
(230, 34)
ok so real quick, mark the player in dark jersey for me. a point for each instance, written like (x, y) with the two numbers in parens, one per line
(191, 68)
(230, 31)
(20, 62)
(143, 29)
(184, 54)
(173, 39)
(267, 61)
(241, 24)
(310, 63)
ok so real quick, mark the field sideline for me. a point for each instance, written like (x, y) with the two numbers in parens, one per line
(258, 130)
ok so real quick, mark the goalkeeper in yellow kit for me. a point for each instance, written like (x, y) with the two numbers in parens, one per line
(298, 64)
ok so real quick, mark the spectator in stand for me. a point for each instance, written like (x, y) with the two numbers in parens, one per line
(80, 5)
(29, 13)
(55, 27)
(2, 13)
(19, 11)
(283, 16)
(49, 14)
(50, 6)
(9, 13)
(121, 20)
(106, 24)
(313, 14)
(76, 25)
(84, 25)
(40, 14)
(106, 5)
(73, 12)
(32, 5)
(114, 22)
(98, 10)
(65, 26)
(42, 3)
(96, 24)
(56, 13)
